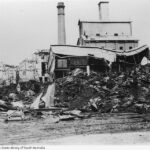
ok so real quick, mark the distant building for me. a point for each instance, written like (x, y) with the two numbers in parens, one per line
(7, 74)
(114, 35)
(27, 70)
(42, 57)
(34, 68)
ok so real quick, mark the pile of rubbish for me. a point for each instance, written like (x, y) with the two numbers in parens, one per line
(78, 95)
(15, 96)
(105, 92)
(29, 101)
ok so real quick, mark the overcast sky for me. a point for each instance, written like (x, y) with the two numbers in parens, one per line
(28, 25)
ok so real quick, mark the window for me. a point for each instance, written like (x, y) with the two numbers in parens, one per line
(116, 34)
(130, 47)
(40, 78)
(121, 48)
(62, 63)
(43, 68)
(97, 34)
(46, 79)
(78, 61)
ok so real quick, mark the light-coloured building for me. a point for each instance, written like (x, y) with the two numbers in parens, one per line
(113, 35)
(34, 68)
(27, 70)
(42, 57)
(7, 74)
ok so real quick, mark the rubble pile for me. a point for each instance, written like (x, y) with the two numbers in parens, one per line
(11, 98)
(105, 92)
(109, 92)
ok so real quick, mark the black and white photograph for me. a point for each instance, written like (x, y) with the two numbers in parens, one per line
(74, 72)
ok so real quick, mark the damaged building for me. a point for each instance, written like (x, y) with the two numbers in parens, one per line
(7, 74)
(34, 68)
(101, 45)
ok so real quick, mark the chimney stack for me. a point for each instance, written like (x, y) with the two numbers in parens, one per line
(61, 24)
(103, 10)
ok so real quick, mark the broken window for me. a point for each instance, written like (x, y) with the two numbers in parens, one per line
(46, 79)
(116, 34)
(78, 61)
(43, 68)
(40, 78)
(62, 63)
(97, 34)
(121, 47)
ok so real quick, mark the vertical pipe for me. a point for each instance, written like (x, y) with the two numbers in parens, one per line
(103, 10)
(61, 24)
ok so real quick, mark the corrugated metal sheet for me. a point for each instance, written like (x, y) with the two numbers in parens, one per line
(83, 51)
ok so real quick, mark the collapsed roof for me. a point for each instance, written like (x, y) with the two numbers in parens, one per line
(107, 54)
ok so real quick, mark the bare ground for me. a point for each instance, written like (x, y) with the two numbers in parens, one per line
(39, 130)
(127, 138)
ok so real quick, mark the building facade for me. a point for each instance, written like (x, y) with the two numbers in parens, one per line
(7, 74)
(113, 35)
(34, 68)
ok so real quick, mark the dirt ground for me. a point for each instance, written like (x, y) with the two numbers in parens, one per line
(128, 138)
(39, 130)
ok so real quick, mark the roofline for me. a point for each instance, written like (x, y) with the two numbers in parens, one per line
(83, 47)
(73, 46)
(103, 48)
(102, 2)
(104, 22)
(111, 40)
(76, 46)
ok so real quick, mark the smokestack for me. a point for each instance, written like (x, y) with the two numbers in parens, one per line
(61, 24)
(103, 10)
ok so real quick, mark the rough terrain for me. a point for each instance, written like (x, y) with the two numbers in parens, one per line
(95, 104)
(40, 130)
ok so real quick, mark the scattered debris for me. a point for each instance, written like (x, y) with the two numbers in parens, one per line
(66, 117)
(104, 92)
(15, 115)
(68, 98)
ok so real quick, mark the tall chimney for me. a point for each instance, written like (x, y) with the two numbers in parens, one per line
(103, 10)
(61, 24)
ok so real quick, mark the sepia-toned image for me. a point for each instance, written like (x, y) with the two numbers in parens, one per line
(74, 72)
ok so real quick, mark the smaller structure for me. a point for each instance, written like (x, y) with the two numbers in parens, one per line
(7, 74)
(27, 70)
(42, 57)
(34, 68)
(64, 58)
